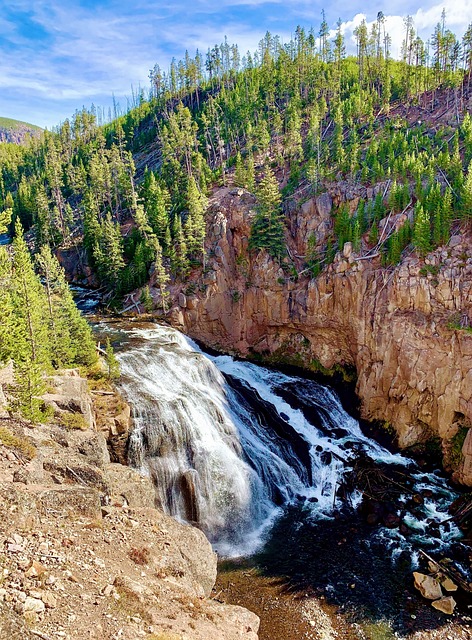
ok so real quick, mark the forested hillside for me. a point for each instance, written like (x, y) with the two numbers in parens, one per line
(15, 131)
(41, 329)
(281, 123)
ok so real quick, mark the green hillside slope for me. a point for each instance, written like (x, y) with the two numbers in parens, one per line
(16, 130)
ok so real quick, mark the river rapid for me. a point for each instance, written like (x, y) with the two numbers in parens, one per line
(282, 479)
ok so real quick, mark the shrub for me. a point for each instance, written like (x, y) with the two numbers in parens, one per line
(12, 441)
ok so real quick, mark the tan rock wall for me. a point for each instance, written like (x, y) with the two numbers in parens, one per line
(393, 325)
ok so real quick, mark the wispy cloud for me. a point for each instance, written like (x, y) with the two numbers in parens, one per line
(458, 16)
(57, 55)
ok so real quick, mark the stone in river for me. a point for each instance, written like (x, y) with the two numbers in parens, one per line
(427, 585)
(446, 605)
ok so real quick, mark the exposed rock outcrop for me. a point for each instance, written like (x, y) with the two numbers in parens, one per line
(85, 553)
(69, 395)
(17, 132)
(399, 327)
(6, 379)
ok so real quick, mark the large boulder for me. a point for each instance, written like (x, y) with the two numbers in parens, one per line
(69, 394)
(129, 487)
(446, 605)
(17, 508)
(427, 585)
(70, 501)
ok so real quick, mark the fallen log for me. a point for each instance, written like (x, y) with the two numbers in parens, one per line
(449, 571)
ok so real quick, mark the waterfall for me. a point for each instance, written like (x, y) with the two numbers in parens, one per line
(186, 438)
(229, 443)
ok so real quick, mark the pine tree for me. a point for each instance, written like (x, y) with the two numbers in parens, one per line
(324, 42)
(267, 231)
(179, 261)
(31, 338)
(393, 197)
(110, 254)
(146, 299)
(438, 227)
(361, 215)
(379, 208)
(342, 226)
(91, 222)
(250, 177)
(466, 127)
(338, 153)
(5, 219)
(30, 348)
(339, 47)
(157, 204)
(330, 251)
(422, 231)
(374, 233)
(161, 276)
(167, 242)
(7, 343)
(195, 224)
(394, 249)
(467, 195)
(239, 172)
(112, 363)
(142, 222)
(293, 137)
(70, 336)
(356, 234)
(29, 386)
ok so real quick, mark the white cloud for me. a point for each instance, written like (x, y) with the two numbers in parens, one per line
(458, 17)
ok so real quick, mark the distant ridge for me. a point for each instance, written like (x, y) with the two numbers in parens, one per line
(16, 131)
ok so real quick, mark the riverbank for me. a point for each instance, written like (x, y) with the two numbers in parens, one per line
(307, 610)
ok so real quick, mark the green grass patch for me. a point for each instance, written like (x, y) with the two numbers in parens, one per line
(24, 446)
(73, 421)
(348, 373)
(455, 324)
(10, 123)
(457, 442)
(380, 630)
(429, 268)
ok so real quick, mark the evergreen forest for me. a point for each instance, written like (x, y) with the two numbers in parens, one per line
(130, 195)
(41, 329)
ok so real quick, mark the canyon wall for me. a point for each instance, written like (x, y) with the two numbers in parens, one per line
(399, 328)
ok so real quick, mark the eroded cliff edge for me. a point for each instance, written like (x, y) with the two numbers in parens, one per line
(398, 327)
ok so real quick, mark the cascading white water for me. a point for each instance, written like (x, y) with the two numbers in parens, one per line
(185, 438)
(228, 442)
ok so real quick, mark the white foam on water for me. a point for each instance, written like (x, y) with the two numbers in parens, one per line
(213, 462)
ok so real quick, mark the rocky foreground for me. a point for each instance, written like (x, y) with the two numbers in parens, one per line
(84, 554)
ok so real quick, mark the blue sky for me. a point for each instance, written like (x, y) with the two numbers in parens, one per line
(57, 56)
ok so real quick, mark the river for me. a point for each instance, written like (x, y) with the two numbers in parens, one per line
(282, 479)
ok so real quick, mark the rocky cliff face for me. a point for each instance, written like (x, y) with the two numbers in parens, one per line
(16, 131)
(399, 327)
